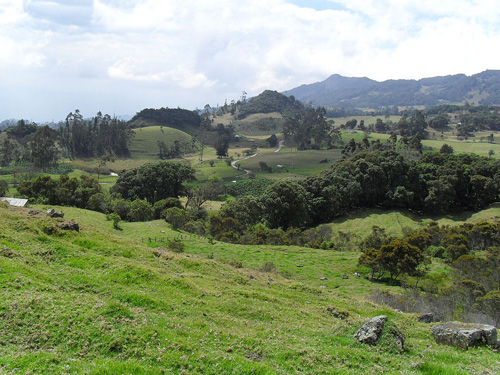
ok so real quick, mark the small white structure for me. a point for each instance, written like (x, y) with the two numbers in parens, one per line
(15, 202)
(280, 166)
(112, 174)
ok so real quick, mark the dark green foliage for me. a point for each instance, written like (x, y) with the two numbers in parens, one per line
(21, 129)
(162, 205)
(115, 218)
(272, 140)
(44, 153)
(285, 205)
(154, 181)
(268, 102)
(396, 258)
(4, 187)
(177, 246)
(446, 149)
(307, 128)
(178, 217)
(253, 187)
(140, 210)
(65, 191)
(176, 118)
(102, 135)
(222, 146)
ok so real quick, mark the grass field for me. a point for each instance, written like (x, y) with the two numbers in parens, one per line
(102, 301)
(144, 144)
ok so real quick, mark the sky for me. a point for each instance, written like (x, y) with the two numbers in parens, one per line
(121, 56)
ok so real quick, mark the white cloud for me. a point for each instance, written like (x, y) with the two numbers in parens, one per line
(204, 51)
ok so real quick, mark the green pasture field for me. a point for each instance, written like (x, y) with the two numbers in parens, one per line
(144, 144)
(298, 163)
(106, 301)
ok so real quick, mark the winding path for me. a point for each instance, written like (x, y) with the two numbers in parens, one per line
(248, 171)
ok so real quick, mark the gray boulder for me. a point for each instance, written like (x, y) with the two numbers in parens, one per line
(371, 331)
(465, 335)
(426, 318)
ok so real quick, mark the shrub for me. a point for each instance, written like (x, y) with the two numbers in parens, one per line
(115, 218)
(140, 210)
(161, 206)
(176, 246)
(4, 187)
(268, 267)
(177, 217)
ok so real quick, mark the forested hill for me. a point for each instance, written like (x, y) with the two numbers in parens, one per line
(267, 102)
(177, 118)
(339, 91)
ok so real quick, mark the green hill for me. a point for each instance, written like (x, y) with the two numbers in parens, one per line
(102, 301)
(144, 144)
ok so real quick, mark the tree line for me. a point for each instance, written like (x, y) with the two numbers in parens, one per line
(43, 146)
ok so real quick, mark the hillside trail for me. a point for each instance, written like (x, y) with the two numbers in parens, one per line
(247, 171)
(280, 145)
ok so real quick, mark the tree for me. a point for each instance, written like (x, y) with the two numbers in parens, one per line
(396, 258)
(44, 152)
(4, 187)
(222, 146)
(285, 205)
(446, 149)
(490, 305)
(272, 140)
(178, 217)
(154, 181)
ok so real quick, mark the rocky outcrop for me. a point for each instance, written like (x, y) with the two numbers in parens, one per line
(371, 331)
(465, 335)
(426, 318)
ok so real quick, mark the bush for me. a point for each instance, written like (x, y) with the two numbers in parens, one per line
(4, 187)
(140, 210)
(115, 218)
(268, 267)
(163, 205)
(100, 202)
(177, 217)
(176, 246)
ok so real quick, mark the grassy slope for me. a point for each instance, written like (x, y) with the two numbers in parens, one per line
(100, 302)
(145, 142)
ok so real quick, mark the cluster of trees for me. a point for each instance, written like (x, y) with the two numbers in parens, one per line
(309, 128)
(42, 146)
(267, 102)
(472, 251)
(178, 118)
(27, 143)
(437, 183)
(101, 135)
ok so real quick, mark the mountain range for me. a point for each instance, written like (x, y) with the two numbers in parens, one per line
(355, 92)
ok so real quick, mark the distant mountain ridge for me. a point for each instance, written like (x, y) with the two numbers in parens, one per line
(356, 92)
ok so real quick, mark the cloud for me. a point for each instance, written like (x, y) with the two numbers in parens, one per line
(191, 50)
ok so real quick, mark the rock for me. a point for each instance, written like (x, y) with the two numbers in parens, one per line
(371, 331)
(323, 278)
(7, 252)
(69, 225)
(426, 318)
(465, 335)
(53, 213)
(345, 277)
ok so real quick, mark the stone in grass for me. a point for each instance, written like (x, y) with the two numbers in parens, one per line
(465, 335)
(7, 252)
(371, 331)
(426, 318)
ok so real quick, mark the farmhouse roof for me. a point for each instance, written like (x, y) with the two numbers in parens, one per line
(16, 202)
